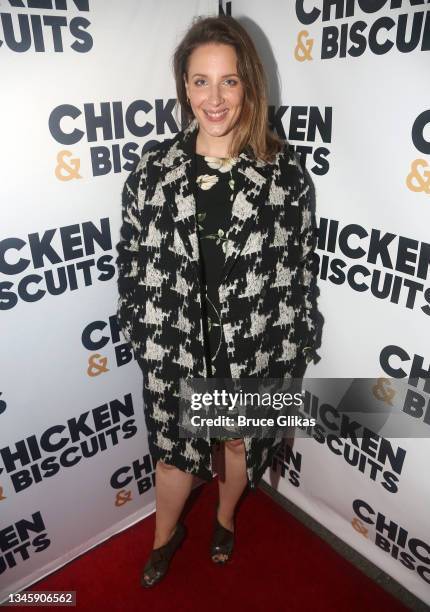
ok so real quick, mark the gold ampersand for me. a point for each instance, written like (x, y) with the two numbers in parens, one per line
(65, 171)
(97, 365)
(303, 48)
(359, 527)
(384, 393)
(417, 181)
(122, 497)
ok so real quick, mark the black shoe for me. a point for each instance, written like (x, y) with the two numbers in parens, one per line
(158, 563)
(222, 542)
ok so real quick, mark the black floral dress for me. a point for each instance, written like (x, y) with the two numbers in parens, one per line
(214, 198)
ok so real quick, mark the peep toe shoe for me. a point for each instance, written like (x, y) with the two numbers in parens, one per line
(222, 543)
(158, 563)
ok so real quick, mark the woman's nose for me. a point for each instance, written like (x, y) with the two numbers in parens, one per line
(215, 94)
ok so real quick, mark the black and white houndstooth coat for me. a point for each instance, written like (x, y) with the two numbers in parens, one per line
(265, 292)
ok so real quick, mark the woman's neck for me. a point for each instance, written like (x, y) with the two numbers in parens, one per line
(214, 147)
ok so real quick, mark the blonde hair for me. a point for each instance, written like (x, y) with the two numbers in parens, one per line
(252, 131)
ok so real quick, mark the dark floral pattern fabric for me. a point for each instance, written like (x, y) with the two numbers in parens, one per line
(214, 196)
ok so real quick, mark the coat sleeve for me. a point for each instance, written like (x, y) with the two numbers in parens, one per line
(308, 262)
(128, 246)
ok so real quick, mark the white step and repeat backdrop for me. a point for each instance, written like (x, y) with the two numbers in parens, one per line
(352, 94)
(85, 86)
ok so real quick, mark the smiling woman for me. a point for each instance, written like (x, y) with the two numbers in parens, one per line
(216, 274)
(220, 82)
(215, 96)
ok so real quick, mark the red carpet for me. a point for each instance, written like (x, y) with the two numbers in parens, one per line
(278, 564)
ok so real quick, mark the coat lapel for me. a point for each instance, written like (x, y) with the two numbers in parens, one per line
(252, 183)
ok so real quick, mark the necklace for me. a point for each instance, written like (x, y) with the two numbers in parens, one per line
(221, 165)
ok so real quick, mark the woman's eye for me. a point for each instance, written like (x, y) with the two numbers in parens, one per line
(230, 82)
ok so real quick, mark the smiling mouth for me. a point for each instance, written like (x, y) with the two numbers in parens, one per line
(216, 115)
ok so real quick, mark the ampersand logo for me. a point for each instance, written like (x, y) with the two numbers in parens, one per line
(359, 527)
(383, 391)
(97, 365)
(122, 497)
(303, 48)
(417, 180)
(65, 171)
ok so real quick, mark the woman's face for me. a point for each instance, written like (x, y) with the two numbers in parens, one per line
(214, 88)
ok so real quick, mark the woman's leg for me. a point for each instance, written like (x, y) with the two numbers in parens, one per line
(233, 485)
(172, 489)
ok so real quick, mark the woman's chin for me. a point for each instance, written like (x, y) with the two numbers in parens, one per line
(216, 129)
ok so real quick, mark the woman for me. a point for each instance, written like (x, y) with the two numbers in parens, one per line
(215, 272)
